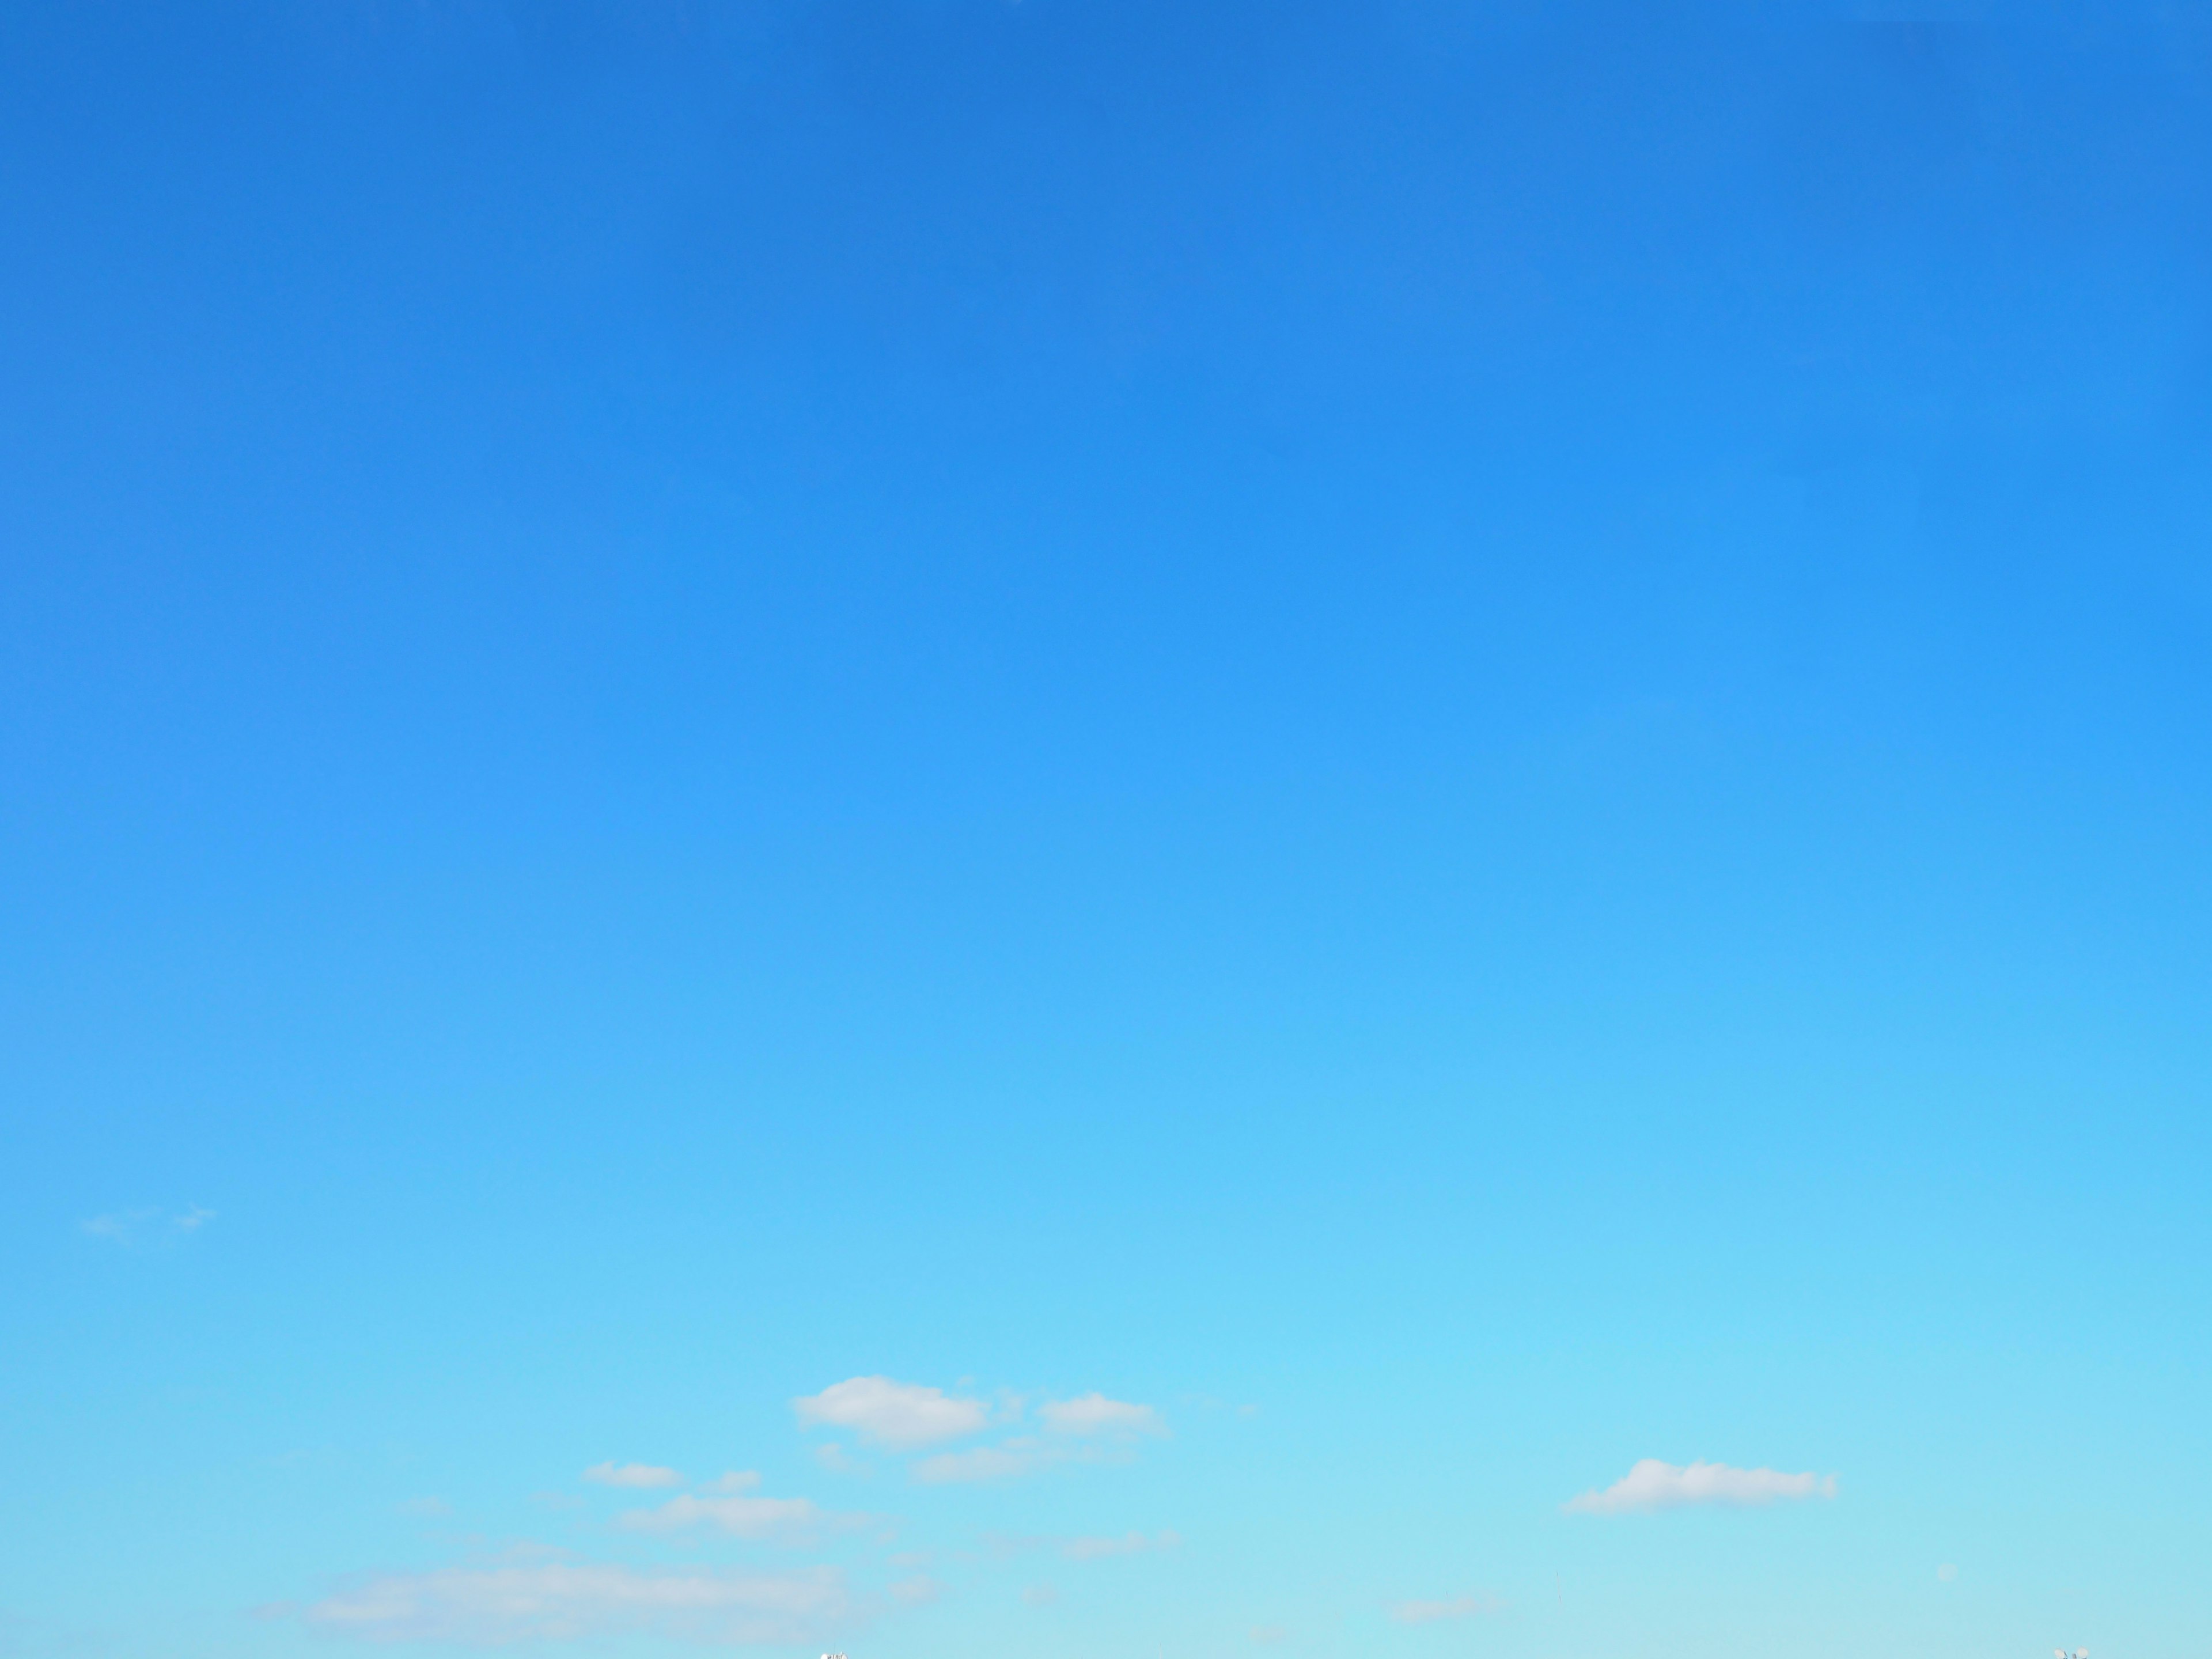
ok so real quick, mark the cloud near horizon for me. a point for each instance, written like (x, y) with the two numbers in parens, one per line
(493, 1606)
(900, 1415)
(1655, 1485)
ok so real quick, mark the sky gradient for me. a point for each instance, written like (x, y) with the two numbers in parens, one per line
(963, 830)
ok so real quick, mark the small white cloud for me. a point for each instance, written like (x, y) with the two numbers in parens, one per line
(1653, 1484)
(900, 1415)
(121, 1224)
(563, 1602)
(784, 1518)
(916, 1592)
(1004, 1547)
(426, 1508)
(1433, 1612)
(735, 1480)
(1268, 1635)
(1947, 1573)
(637, 1476)
(1094, 1413)
(1135, 1543)
(147, 1226)
(836, 1459)
(1040, 1595)
(984, 1463)
(1024, 1454)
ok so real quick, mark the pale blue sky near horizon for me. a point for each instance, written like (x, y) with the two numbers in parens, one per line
(1328, 767)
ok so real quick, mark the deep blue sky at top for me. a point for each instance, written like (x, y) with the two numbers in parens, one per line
(1218, 698)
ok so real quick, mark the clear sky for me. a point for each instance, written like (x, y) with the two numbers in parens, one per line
(954, 829)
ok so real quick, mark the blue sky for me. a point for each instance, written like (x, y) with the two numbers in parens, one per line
(947, 829)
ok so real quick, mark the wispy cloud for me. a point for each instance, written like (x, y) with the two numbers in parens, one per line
(147, 1226)
(785, 1519)
(1135, 1543)
(900, 1415)
(912, 1417)
(982, 1464)
(732, 1481)
(642, 1476)
(1436, 1613)
(1009, 1460)
(492, 1607)
(1095, 1414)
(1087, 1548)
(918, 1591)
(1654, 1485)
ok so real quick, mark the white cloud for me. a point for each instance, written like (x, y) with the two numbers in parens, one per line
(426, 1508)
(492, 1607)
(836, 1459)
(902, 1415)
(918, 1591)
(1135, 1543)
(984, 1463)
(1094, 1413)
(1009, 1460)
(143, 1226)
(735, 1480)
(1653, 1484)
(740, 1517)
(1433, 1612)
(635, 1475)
(121, 1224)
(1268, 1635)
(1004, 1546)
(1041, 1596)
